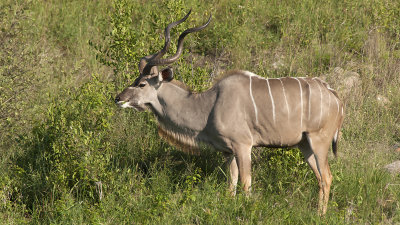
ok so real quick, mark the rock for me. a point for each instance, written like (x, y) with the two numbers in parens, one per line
(350, 84)
(351, 80)
(279, 63)
(393, 167)
(382, 100)
(347, 82)
(338, 70)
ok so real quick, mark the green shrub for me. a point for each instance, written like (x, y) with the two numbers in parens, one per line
(68, 152)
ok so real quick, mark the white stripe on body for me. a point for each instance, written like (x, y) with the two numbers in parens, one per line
(284, 94)
(329, 104)
(251, 95)
(309, 97)
(320, 104)
(301, 103)
(272, 101)
(337, 104)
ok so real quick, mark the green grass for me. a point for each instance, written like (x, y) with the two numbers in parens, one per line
(62, 62)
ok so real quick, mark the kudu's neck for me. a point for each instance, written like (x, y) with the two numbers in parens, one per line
(180, 109)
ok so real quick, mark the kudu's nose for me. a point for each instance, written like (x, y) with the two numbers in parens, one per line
(117, 99)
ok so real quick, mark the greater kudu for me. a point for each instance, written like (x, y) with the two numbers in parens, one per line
(240, 111)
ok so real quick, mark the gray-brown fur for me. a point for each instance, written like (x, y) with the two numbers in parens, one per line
(243, 110)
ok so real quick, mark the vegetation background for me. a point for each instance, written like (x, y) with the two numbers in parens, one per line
(68, 155)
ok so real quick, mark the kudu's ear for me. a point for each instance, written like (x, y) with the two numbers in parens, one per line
(166, 75)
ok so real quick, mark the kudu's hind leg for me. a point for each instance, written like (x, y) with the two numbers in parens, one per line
(243, 159)
(309, 156)
(233, 172)
(320, 149)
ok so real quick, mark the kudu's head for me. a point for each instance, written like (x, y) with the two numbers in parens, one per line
(143, 92)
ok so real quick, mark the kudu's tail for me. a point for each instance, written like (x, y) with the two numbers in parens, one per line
(334, 146)
(336, 139)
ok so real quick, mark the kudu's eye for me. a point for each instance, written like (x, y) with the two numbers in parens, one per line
(142, 84)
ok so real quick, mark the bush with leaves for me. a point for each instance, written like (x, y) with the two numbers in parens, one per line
(69, 152)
